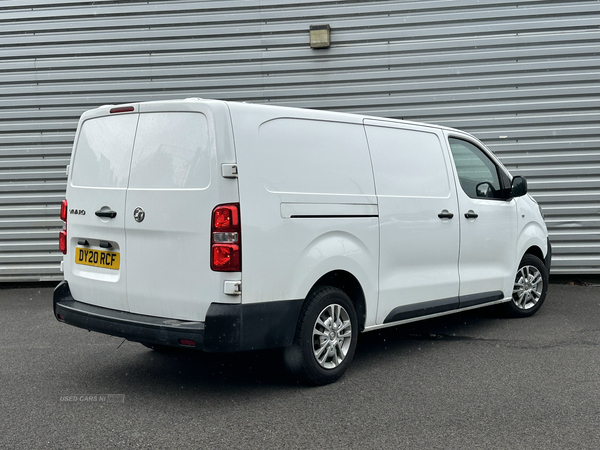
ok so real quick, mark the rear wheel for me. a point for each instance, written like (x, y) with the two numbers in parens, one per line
(530, 287)
(325, 338)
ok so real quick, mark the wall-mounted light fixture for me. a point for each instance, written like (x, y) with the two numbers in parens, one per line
(320, 36)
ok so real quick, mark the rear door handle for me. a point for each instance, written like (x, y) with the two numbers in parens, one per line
(445, 214)
(471, 215)
(110, 214)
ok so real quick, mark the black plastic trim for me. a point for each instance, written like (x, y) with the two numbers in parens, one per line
(480, 299)
(227, 328)
(134, 327)
(423, 309)
(443, 305)
(344, 216)
(251, 326)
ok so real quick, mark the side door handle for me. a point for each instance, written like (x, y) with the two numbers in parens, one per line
(445, 214)
(110, 214)
(471, 215)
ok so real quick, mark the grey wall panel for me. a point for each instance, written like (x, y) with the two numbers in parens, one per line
(521, 75)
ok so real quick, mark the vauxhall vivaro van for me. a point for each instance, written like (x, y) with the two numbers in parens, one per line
(225, 226)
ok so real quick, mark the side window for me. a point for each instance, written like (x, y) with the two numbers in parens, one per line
(477, 173)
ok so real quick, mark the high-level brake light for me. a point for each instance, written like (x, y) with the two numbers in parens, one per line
(122, 109)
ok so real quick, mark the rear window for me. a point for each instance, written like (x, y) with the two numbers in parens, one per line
(168, 151)
(171, 152)
(103, 151)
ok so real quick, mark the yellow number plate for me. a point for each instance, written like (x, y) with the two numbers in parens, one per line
(97, 258)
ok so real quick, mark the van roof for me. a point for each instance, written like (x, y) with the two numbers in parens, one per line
(320, 113)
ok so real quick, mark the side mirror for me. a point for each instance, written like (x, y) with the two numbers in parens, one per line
(485, 190)
(518, 187)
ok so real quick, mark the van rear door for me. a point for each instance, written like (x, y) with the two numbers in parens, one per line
(168, 216)
(95, 264)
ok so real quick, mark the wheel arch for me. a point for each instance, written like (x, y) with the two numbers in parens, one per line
(348, 283)
(533, 240)
(535, 251)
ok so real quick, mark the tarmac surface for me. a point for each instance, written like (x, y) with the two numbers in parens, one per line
(466, 381)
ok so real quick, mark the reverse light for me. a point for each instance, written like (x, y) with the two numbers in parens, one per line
(226, 239)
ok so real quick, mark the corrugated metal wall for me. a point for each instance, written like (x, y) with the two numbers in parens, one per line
(524, 76)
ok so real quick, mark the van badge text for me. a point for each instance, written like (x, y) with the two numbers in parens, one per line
(79, 212)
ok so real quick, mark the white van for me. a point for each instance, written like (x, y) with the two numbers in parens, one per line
(225, 226)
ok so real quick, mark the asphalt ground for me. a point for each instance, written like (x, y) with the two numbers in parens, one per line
(466, 381)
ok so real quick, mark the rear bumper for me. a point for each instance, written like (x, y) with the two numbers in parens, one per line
(226, 328)
(134, 327)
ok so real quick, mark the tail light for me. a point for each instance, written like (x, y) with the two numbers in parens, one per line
(63, 210)
(62, 237)
(226, 239)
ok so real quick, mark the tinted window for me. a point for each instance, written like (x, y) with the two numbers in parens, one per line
(171, 152)
(477, 173)
(103, 151)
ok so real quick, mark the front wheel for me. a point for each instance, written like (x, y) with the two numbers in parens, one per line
(325, 339)
(529, 291)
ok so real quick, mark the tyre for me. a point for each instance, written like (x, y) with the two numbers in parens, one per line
(325, 338)
(529, 291)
